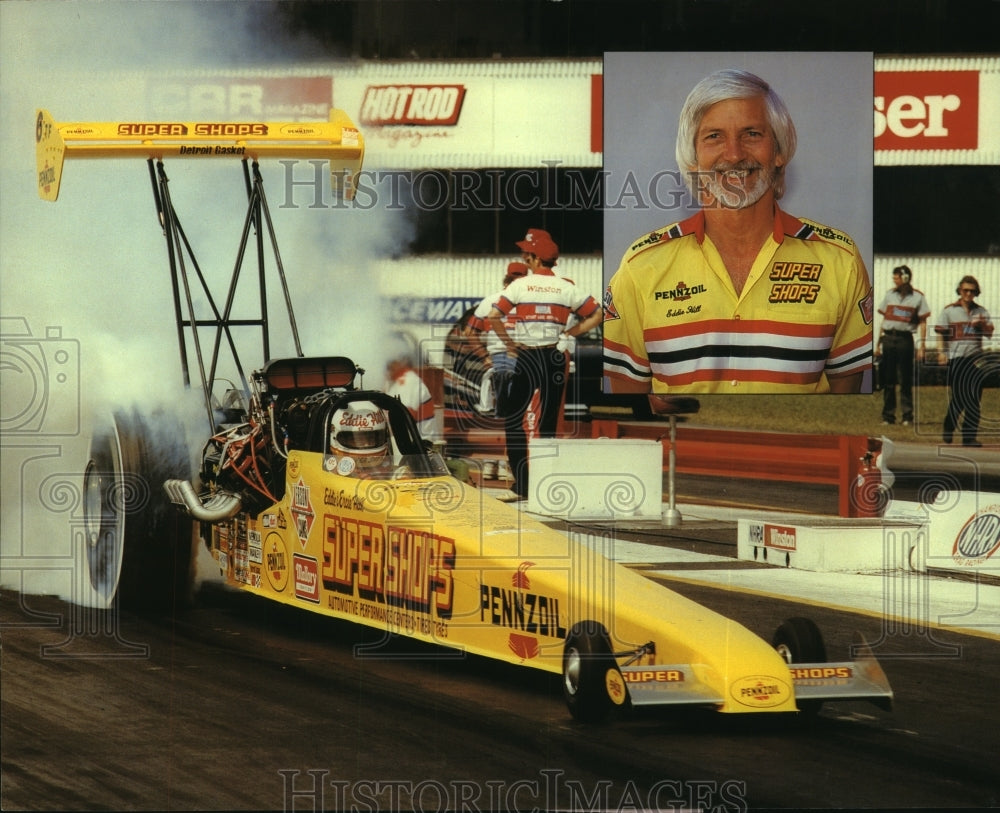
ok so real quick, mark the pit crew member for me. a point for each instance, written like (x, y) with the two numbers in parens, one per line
(545, 304)
(961, 327)
(904, 312)
(406, 384)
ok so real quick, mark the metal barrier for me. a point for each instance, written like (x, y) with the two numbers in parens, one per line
(847, 462)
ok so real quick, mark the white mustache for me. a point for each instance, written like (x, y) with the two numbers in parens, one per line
(734, 184)
(738, 170)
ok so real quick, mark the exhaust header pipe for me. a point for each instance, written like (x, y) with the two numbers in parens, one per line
(216, 507)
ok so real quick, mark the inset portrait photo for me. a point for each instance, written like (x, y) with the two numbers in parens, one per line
(738, 222)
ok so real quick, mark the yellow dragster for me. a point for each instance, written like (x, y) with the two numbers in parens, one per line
(295, 508)
(318, 494)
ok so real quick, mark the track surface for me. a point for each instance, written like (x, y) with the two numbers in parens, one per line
(238, 704)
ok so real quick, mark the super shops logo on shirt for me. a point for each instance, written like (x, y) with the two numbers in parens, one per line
(795, 282)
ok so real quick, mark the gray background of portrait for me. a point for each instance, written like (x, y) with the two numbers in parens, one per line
(829, 96)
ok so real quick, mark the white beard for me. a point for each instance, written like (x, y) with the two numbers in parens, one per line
(725, 184)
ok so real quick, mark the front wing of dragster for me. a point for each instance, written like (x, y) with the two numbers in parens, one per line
(681, 684)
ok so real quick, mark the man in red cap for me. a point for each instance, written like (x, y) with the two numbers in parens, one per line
(545, 303)
(538, 250)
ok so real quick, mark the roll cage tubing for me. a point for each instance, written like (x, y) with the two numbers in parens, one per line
(337, 141)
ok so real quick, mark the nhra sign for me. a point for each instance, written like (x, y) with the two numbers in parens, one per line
(926, 110)
(964, 532)
(780, 537)
(979, 538)
(417, 105)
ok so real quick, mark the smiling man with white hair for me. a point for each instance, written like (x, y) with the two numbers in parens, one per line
(741, 297)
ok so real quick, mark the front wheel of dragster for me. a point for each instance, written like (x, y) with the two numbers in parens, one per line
(798, 640)
(139, 547)
(593, 685)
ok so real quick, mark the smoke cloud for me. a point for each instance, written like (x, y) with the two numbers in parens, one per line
(85, 292)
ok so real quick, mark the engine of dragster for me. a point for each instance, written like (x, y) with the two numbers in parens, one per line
(243, 462)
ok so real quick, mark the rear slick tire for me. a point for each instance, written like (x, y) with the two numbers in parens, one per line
(140, 548)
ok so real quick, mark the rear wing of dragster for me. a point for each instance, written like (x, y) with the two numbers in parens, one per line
(337, 141)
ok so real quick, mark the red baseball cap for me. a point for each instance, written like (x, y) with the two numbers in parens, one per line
(540, 243)
(517, 269)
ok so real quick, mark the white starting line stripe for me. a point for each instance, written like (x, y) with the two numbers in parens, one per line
(918, 599)
(626, 552)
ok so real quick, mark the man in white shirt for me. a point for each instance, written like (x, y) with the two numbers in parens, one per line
(405, 384)
(544, 304)
(904, 313)
(962, 327)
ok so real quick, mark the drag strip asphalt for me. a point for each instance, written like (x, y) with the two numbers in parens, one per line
(240, 704)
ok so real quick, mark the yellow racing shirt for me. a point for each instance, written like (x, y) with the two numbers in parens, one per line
(673, 320)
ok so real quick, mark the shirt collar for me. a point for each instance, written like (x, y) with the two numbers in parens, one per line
(783, 224)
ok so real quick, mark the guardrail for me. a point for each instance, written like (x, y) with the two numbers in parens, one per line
(847, 462)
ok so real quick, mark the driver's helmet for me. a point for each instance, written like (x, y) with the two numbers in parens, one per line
(360, 431)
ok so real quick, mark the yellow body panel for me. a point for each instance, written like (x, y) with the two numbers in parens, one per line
(441, 562)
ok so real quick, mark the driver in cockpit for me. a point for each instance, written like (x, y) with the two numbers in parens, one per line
(359, 440)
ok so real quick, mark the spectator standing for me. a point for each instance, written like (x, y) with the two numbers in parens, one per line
(962, 326)
(544, 304)
(495, 388)
(904, 312)
(500, 366)
(466, 355)
(405, 384)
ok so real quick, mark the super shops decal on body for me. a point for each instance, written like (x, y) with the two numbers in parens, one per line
(402, 567)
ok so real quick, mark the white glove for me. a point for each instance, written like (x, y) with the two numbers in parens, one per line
(566, 343)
